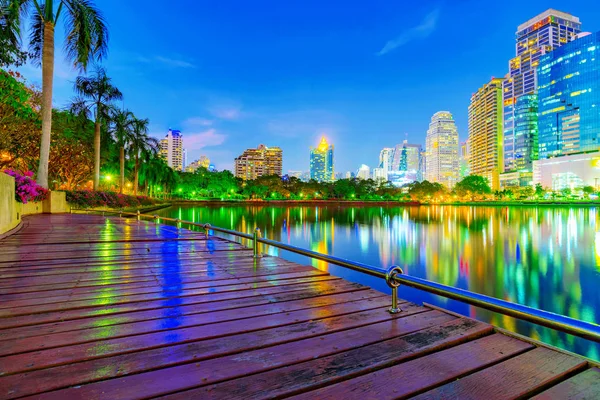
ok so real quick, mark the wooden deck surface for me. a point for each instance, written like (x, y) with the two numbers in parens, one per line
(109, 308)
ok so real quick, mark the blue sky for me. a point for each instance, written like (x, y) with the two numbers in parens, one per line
(234, 74)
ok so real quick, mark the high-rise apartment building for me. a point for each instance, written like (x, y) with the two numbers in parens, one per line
(203, 162)
(321, 162)
(442, 149)
(262, 161)
(463, 163)
(410, 157)
(536, 37)
(171, 149)
(484, 155)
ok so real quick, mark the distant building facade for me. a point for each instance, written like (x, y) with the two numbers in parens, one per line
(171, 149)
(262, 161)
(534, 38)
(321, 162)
(364, 172)
(442, 150)
(483, 150)
(203, 161)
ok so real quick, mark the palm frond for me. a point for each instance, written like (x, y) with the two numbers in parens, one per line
(87, 33)
(36, 36)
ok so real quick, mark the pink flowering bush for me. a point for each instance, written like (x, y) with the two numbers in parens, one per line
(91, 199)
(26, 189)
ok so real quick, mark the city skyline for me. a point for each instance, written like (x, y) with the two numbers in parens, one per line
(354, 89)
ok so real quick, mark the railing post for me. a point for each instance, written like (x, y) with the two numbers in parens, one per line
(207, 230)
(138, 215)
(255, 244)
(155, 219)
(390, 274)
(178, 223)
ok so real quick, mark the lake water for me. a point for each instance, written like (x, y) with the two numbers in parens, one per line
(544, 257)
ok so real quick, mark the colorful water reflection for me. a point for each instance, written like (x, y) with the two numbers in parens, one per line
(544, 257)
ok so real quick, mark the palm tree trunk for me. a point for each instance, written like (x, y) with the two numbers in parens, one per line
(97, 153)
(47, 84)
(137, 173)
(122, 162)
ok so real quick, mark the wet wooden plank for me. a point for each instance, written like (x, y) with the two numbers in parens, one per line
(324, 338)
(417, 375)
(518, 377)
(583, 386)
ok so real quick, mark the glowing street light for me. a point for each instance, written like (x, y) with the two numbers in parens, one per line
(108, 178)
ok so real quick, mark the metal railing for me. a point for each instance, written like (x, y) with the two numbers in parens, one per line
(395, 277)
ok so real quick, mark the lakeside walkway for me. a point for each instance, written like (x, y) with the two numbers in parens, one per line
(98, 307)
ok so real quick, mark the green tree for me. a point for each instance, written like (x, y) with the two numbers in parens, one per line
(86, 40)
(588, 190)
(10, 44)
(472, 186)
(539, 191)
(96, 95)
(143, 146)
(122, 130)
(425, 190)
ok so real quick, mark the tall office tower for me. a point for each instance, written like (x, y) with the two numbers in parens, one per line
(410, 157)
(364, 172)
(386, 156)
(422, 166)
(569, 115)
(442, 149)
(171, 149)
(262, 161)
(203, 162)
(321, 162)
(184, 162)
(536, 37)
(483, 150)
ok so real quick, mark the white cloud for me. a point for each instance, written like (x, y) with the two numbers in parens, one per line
(196, 121)
(166, 61)
(199, 140)
(226, 112)
(421, 31)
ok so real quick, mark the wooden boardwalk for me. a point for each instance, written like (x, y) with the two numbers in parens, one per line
(108, 308)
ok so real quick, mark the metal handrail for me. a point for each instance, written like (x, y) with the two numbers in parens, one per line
(395, 277)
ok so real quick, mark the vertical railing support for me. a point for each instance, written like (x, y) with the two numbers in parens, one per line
(255, 244)
(138, 215)
(178, 223)
(155, 219)
(207, 230)
(390, 274)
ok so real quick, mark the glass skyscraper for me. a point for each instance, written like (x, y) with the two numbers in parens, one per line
(536, 37)
(321, 162)
(569, 98)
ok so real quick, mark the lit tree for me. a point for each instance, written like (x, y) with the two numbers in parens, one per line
(86, 40)
(122, 122)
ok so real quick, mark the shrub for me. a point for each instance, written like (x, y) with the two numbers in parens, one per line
(91, 199)
(26, 189)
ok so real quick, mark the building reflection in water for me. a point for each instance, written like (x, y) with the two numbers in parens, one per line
(546, 257)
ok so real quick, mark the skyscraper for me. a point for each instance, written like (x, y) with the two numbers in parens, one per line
(536, 37)
(262, 161)
(321, 162)
(442, 149)
(386, 156)
(569, 115)
(569, 98)
(485, 132)
(410, 157)
(171, 149)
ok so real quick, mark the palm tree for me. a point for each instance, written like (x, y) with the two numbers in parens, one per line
(142, 145)
(96, 95)
(86, 40)
(122, 130)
